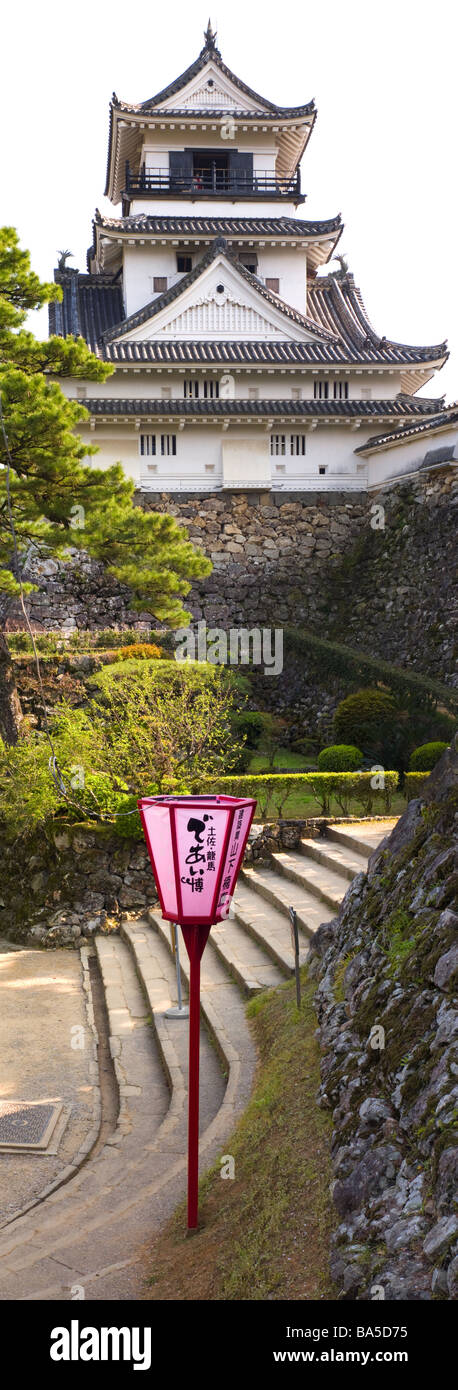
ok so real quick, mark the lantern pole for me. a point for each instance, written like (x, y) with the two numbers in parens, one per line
(195, 939)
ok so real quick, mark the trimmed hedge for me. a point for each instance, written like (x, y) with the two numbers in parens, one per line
(414, 784)
(424, 758)
(340, 757)
(273, 791)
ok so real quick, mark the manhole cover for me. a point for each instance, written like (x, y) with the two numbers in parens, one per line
(27, 1124)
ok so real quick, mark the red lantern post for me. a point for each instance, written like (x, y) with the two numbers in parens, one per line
(196, 846)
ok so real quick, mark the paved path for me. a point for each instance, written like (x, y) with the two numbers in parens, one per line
(42, 1007)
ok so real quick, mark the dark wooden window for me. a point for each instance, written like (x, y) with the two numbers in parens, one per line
(278, 444)
(273, 283)
(321, 390)
(249, 260)
(159, 284)
(184, 263)
(211, 390)
(168, 443)
(297, 444)
(191, 389)
(148, 444)
(341, 390)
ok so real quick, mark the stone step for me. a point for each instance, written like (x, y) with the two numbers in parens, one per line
(245, 959)
(156, 971)
(362, 837)
(339, 858)
(268, 926)
(329, 885)
(90, 1232)
(136, 1058)
(283, 894)
(222, 1007)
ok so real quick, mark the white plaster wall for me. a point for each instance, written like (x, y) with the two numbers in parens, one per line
(200, 450)
(141, 263)
(212, 207)
(408, 455)
(144, 383)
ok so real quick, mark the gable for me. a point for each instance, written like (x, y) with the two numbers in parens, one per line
(222, 302)
(211, 89)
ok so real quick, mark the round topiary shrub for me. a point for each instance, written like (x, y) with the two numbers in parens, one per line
(369, 719)
(250, 724)
(424, 758)
(340, 757)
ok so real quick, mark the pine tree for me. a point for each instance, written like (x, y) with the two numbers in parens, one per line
(56, 499)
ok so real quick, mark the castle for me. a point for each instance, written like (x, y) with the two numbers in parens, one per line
(240, 362)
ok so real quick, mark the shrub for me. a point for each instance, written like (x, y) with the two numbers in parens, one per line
(414, 783)
(424, 758)
(140, 651)
(340, 757)
(250, 725)
(272, 791)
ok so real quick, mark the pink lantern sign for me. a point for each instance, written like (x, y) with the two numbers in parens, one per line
(196, 846)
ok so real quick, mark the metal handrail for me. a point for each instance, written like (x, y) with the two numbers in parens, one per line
(209, 181)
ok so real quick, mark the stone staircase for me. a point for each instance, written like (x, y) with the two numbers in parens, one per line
(88, 1233)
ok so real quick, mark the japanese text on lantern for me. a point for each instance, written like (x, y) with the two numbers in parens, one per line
(201, 854)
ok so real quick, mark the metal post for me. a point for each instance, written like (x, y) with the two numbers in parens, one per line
(295, 945)
(181, 1010)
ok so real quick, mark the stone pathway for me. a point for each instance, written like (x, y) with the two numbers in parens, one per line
(85, 1239)
(43, 1021)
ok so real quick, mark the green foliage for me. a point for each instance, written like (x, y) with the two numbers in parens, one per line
(272, 791)
(424, 758)
(152, 726)
(399, 932)
(250, 725)
(372, 719)
(340, 757)
(414, 784)
(139, 651)
(334, 660)
(57, 499)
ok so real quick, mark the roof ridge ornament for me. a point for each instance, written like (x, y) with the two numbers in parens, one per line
(210, 36)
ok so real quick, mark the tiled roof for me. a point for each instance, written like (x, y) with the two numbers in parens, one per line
(268, 110)
(353, 409)
(335, 302)
(447, 417)
(215, 352)
(219, 226)
(217, 248)
(337, 316)
(90, 305)
(212, 54)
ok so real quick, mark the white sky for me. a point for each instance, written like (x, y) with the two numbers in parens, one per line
(383, 151)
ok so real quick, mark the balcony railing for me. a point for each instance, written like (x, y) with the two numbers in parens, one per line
(219, 182)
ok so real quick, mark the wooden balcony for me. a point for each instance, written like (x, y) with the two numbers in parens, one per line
(215, 182)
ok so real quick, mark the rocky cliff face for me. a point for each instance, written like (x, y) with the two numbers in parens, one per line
(388, 1027)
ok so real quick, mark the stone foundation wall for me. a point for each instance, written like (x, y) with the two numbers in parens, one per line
(71, 882)
(324, 563)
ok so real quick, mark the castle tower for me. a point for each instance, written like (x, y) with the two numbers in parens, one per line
(238, 363)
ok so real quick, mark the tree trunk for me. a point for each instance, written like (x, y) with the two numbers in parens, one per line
(11, 715)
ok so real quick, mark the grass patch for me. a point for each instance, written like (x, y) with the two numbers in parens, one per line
(284, 758)
(265, 1233)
